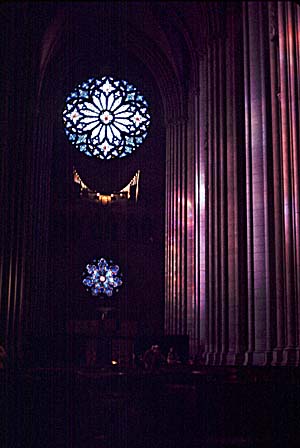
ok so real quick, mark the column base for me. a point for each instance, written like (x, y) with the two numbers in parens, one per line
(225, 359)
(209, 359)
(277, 357)
(239, 359)
(230, 358)
(257, 358)
(289, 356)
(248, 359)
(268, 358)
(216, 359)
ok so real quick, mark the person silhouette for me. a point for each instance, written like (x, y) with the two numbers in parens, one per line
(153, 358)
(172, 357)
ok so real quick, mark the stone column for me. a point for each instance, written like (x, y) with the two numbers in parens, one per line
(277, 186)
(168, 233)
(223, 324)
(216, 182)
(18, 167)
(210, 213)
(176, 221)
(201, 189)
(293, 61)
(184, 254)
(295, 14)
(256, 182)
(232, 195)
(267, 186)
(289, 353)
(191, 225)
(193, 295)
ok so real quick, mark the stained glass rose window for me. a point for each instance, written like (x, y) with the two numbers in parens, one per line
(102, 278)
(106, 118)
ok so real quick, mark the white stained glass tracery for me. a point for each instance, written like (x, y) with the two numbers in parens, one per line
(106, 118)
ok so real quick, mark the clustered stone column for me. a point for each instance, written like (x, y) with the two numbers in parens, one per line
(233, 263)
(22, 198)
(176, 226)
(37, 317)
(289, 123)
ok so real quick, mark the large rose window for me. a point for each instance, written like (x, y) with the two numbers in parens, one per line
(106, 118)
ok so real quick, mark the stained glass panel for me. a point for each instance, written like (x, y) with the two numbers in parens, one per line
(102, 278)
(106, 118)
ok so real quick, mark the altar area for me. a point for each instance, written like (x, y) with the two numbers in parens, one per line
(102, 342)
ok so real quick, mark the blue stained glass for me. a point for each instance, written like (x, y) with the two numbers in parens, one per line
(87, 282)
(84, 94)
(90, 268)
(130, 141)
(104, 113)
(114, 269)
(102, 264)
(102, 277)
(117, 282)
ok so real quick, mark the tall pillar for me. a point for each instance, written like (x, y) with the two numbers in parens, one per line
(196, 194)
(177, 306)
(277, 185)
(230, 163)
(184, 219)
(18, 168)
(211, 280)
(295, 14)
(167, 237)
(215, 205)
(256, 183)
(201, 202)
(292, 31)
(285, 28)
(232, 197)
(243, 138)
(191, 223)
(223, 325)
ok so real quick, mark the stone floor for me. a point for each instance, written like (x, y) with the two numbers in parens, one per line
(173, 408)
